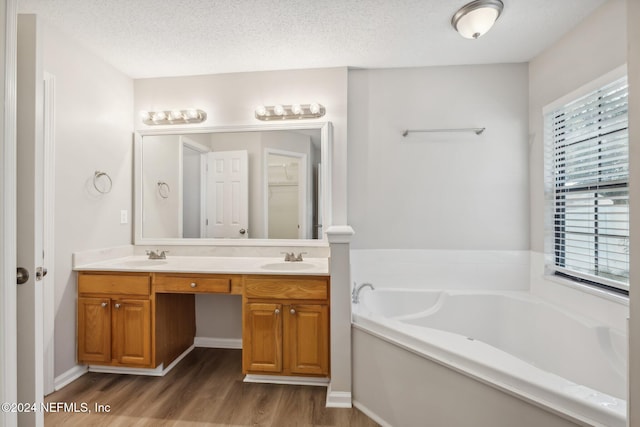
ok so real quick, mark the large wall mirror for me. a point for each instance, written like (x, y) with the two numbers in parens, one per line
(210, 186)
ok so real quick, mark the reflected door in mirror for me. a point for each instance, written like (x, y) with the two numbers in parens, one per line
(228, 194)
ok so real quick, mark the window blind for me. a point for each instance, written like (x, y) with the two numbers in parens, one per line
(590, 156)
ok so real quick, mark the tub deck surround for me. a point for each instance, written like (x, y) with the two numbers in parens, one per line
(442, 269)
(507, 339)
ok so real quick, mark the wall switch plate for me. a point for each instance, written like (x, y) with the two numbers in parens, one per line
(124, 217)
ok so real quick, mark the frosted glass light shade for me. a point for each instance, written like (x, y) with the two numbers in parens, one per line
(476, 18)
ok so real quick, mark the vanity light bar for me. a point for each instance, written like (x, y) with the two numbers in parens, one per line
(173, 117)
(288, 112)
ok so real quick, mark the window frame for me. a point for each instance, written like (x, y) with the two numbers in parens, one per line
(552, 257)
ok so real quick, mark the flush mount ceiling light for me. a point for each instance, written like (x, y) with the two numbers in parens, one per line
(476, 18)
(288, 112)
(173, 117)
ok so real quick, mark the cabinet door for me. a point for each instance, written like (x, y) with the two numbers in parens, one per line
(94, 330)
(308, 333)
(262, 347)
(132, 332)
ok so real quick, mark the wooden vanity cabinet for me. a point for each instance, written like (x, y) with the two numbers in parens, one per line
(142, 320)
(114, 319)
(286, 325)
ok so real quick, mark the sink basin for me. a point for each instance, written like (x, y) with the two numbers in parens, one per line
(287, 266)
(142, 262)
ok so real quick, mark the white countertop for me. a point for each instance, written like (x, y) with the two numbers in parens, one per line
(210, 264)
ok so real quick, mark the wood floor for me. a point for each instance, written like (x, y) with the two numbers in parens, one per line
(205, 389)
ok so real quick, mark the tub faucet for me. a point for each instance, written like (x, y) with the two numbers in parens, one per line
(157, 254)
(355, 294)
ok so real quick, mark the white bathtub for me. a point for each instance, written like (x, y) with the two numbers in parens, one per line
(567, 364)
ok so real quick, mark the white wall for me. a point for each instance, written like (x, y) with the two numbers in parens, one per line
(438, 191)
(191, 191)
(590, 50)
(93, 131)
(161, 163)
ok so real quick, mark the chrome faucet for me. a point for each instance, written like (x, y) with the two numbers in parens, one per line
(157, 254)
(292, 257)
(355, 294)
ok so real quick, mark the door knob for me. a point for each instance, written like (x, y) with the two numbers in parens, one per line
(243, 231)
(22, 275)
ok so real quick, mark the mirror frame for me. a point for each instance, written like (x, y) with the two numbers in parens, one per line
(325, 159)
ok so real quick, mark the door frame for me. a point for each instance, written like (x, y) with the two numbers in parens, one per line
(8, 260)
(48, 282)
(203, 150)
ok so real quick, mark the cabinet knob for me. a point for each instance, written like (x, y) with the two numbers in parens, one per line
(194, 284)
(277, 311)
(118, 305)
(292, 311)
(104, 304)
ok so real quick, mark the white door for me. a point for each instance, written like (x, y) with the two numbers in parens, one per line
(228, 194)
(30, 158)
(8, 328)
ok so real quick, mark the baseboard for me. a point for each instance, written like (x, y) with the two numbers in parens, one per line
(70, 376)
(281, 379)
(235, 343)
(369, 413)
(159, 371)
(156, 372)
(177, 360)
(338, 399)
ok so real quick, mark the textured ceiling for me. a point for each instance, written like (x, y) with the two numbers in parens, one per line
(145, 38)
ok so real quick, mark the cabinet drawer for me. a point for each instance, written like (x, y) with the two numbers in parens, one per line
(114, 284)
(192, 284)
(286, 288)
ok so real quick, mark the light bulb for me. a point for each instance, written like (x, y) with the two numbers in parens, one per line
(296, 109)
(261, 110)
(144, 116)
(314, 108)
(175, 115)
(278, 110)
(159, 116)
(192, 114)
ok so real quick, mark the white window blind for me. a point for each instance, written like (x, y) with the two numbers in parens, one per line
(589, 145)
